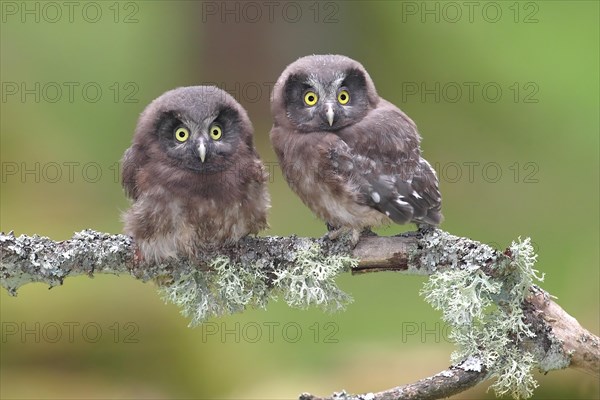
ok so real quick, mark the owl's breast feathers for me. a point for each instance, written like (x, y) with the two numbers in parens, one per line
(367, 174)
(179, 212)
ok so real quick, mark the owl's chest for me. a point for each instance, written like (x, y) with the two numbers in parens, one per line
(305, 168)
(167, 226)
(193, 217)
(209, 220)
(333, 197)
(337, 201)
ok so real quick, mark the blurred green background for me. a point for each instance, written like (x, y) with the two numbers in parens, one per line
(506, 96)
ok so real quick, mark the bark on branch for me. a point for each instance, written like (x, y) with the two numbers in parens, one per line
(559, 340)
(449, 382)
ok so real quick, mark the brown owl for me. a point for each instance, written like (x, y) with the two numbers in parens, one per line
(351, 156)
(193, 174)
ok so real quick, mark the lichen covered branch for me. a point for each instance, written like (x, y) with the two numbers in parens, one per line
(488, 297)
(28, 259)
(220, 281)
(449, 382)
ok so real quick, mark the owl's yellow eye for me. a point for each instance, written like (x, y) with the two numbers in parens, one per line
(182, 134)
(215, 132)
(343, 97)
(310, 98)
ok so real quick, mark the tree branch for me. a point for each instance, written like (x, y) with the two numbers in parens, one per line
(558, 341)
(449, 382)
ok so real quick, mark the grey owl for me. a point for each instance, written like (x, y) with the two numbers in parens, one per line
(351, 156)
(193, 174)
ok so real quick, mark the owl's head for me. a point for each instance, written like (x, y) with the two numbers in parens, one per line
(322, 93)
(196, 128)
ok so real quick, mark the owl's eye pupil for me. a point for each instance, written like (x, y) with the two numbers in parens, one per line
(343, 97)
(311, 98)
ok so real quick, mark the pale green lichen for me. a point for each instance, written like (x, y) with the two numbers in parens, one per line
(514, 375)
(224, 289)
(241, 286)
(227, 287)
(487, 319)
(466, 293)
(310, 281)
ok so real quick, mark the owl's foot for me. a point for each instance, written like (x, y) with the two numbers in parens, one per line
(425, 228)
(368, 232)
(339, 233)
(138, 257)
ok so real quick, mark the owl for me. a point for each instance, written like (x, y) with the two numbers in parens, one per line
(193, 174)
(351, 156)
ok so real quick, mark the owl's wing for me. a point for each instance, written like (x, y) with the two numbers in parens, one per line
(416, 198)
(381, 156)
(425, 197)
(129, 166)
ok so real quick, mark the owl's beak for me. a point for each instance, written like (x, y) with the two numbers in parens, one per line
(330, 114)
(202, 151)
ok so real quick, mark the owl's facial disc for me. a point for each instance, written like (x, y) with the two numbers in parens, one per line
(199, 140)
(326, 98)
(318, 104)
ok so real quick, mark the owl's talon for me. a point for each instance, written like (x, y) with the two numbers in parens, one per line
(334, 234)
(368, 232)
(138, 257)
(339, 234)
(354, 237)
(425, 228)
(330, 228)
